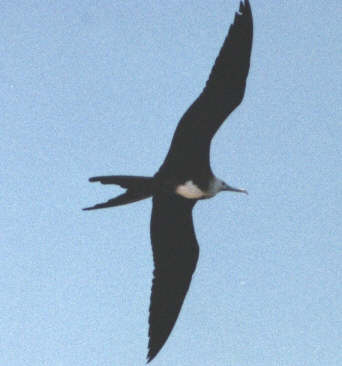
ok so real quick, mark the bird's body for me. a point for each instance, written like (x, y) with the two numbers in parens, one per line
(186, 177)
(191, 191)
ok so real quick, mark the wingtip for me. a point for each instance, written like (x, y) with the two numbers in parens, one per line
(247, 6)
(153, 350)
(150, 357)
(244, 7)
(244, 15)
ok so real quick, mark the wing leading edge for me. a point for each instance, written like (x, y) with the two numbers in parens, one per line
(223, 92)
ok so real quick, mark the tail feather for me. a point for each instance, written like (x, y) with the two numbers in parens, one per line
(138, 188)
(123, 199)
(124, 181)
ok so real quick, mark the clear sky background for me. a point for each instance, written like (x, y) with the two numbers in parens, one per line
(97, 87)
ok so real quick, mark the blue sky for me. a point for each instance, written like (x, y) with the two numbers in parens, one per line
(97, 87)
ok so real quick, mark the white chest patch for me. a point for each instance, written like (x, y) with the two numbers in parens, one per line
(190, 190)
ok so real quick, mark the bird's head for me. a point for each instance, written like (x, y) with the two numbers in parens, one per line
(223, 186)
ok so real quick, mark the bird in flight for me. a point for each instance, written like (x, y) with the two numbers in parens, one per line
(186, 177)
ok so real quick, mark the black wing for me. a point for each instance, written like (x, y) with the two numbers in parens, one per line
(175, 254)
(223, 92)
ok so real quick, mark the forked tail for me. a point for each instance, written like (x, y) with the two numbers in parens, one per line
(138, 188)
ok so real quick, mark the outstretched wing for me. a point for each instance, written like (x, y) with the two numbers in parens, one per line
(175, 254)
(223, 92)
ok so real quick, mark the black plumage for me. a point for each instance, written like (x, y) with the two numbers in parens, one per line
(185, 177)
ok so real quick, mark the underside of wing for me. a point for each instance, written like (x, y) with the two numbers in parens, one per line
(175, 254)
(223, 92)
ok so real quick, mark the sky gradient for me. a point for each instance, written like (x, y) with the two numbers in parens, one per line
(97, 87)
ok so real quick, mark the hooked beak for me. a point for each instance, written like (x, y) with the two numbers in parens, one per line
(233, 189)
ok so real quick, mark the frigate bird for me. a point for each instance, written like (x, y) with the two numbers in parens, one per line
(186, 177)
